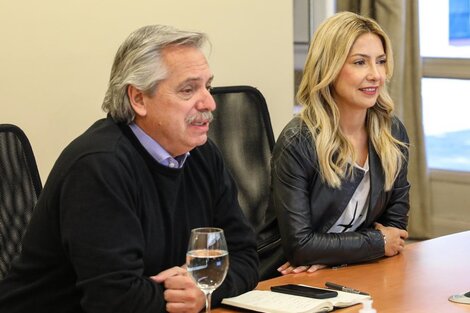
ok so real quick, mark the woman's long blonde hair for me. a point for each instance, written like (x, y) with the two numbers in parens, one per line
(327, 54)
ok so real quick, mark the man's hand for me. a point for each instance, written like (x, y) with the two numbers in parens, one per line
(394, 239)
(181, 294)
(286, 268)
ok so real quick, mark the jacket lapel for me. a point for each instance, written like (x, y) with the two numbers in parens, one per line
(376, 182)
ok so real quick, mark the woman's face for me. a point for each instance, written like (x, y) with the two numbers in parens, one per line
(363, 74)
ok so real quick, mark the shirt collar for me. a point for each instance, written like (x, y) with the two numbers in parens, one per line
(156, 150)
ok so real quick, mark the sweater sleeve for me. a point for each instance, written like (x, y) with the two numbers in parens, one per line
(102, 235)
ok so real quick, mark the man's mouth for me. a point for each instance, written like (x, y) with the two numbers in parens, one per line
(202, 123)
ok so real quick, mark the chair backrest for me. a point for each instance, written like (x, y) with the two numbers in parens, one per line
(243, 132)
(20, 186)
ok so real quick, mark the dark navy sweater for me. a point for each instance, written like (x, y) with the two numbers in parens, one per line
(110, 216)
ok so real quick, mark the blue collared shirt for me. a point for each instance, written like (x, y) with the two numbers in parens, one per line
(157, 151)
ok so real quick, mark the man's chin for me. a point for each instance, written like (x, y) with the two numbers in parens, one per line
(200, 141)
(203, 141)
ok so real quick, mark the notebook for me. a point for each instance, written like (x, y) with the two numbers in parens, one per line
(274, 302)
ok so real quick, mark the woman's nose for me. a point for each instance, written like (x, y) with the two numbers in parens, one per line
(374, 73)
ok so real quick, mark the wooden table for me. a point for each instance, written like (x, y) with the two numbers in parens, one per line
(419, 280)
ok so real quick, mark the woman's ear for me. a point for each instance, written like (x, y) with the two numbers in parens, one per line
(136, 99)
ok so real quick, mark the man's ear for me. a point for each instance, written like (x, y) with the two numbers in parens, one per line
(136, 99)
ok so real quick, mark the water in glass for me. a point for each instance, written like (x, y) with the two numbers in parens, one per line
(207, 259)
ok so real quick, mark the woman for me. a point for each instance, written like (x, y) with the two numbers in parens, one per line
(339, 169)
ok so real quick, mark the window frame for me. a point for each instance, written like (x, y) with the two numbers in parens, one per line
(447, 68)
(452, 68)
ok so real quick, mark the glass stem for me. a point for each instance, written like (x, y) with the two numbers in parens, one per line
(208, 302)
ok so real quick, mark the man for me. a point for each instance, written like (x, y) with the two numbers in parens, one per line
(111, 228)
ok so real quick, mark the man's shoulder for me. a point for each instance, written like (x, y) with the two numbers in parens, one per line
(104, 137)
(101, 136)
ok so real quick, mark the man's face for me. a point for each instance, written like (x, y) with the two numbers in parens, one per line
(176, 116)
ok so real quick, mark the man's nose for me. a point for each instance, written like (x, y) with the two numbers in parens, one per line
(207, 102)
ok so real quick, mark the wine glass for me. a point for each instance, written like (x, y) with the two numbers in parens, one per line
(207, 260)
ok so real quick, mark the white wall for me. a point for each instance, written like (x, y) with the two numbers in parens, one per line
(56, 55)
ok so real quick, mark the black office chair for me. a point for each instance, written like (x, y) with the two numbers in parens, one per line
(20, 186)
(242, 130)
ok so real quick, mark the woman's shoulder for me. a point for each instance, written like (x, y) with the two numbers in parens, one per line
(294, 136)
(399, 130)
(295, 130)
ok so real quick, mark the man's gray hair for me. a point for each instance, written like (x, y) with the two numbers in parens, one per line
(138, 62)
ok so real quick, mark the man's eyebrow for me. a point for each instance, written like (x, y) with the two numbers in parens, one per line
(194, 79)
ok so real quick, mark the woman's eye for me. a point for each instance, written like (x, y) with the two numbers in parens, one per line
(360, 62)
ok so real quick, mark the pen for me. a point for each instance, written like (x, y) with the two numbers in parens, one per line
(344, 288)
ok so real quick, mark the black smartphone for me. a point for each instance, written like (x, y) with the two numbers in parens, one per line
(305, 291)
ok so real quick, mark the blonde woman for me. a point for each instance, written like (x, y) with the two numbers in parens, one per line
(339, 170)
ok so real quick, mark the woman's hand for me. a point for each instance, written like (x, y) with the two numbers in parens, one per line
(394, 239)
(286, 268)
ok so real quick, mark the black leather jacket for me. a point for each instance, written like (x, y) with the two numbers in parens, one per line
(306, 207)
